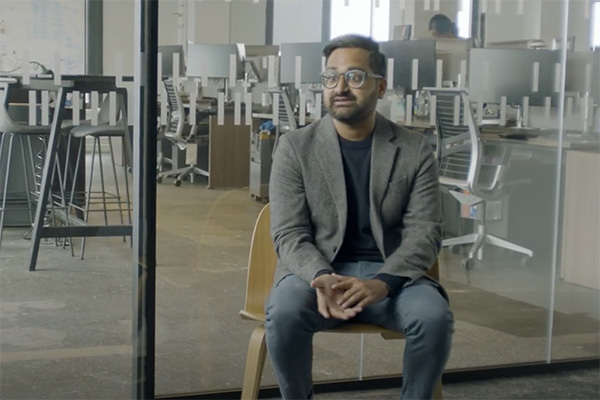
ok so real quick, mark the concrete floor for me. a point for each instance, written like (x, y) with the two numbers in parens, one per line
(65, 329)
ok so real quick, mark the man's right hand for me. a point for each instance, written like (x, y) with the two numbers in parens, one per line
(327, 298)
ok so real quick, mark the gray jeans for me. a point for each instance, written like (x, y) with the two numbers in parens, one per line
(419, 311)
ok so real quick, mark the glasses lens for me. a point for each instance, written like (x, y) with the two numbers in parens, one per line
(329, 79)
(355, 78)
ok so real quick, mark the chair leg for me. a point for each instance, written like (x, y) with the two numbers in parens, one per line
(6, 177)
(255, 363)
(457, 241)
(505, 244)
(437, 394)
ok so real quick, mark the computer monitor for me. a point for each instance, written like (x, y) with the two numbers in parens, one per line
(261, 50)
(167, 59)
(494, 73)
(311, 64)
(404, 52)
(215, 58)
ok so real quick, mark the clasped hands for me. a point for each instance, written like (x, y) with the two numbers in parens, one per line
(343, 297)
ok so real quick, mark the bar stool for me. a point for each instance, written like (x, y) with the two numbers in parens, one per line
(31, 163)
(107, 200)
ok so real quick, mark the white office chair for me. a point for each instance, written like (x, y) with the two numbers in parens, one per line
(465, 173)
(177, 120)
(286, 119)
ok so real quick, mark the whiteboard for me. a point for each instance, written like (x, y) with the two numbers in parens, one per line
(47, 30)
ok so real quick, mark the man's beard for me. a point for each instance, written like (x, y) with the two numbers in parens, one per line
(349, 115)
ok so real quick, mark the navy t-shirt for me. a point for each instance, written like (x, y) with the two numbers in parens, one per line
(359, 244)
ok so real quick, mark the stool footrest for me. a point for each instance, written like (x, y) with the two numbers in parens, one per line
(86, 231)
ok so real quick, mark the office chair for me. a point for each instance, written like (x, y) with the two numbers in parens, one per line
(177, 121)
(286, 117)
(465, 173)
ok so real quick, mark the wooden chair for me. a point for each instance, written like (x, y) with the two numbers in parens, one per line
(261, 268)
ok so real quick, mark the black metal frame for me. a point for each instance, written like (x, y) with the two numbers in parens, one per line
(395, 381)
(144, 199)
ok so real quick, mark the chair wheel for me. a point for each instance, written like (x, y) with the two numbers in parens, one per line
(159, 179)
(177, 182)
(456, 250)
(468, 263)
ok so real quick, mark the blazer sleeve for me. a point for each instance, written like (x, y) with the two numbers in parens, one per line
(421, 230)
(291, 227)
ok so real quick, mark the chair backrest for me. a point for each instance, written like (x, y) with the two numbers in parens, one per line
(458, 149)
(287, 119)
(7, 123)
(262, 263)
(176, 112)
(120, 109)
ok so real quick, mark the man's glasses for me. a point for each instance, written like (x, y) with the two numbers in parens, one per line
(354, 78)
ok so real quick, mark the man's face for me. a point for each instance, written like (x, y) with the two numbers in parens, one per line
(347, 104)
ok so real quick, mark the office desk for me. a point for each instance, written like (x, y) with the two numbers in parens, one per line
(68, 84)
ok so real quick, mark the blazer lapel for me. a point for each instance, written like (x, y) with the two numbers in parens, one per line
(330, 161)
(383, 157)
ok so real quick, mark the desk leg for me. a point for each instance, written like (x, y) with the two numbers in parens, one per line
(45, 188)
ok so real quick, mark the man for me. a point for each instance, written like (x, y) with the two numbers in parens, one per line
(356, 222)
(440, 26)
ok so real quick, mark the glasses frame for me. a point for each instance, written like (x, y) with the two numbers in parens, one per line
(338, 74)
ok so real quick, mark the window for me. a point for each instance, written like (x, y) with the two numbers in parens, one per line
(364, 17)
(596, 25)
(463, 19)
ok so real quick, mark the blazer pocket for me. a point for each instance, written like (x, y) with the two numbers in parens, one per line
(397, 184)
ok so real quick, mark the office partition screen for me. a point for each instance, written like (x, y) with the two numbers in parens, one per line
(311, 65)
(514, 73)
(404, 52)
(167, 59)
(212, 60)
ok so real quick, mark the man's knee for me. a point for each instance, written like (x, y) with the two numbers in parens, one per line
(427, 312)
(290, 305)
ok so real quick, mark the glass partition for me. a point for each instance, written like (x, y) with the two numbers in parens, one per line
(529, 295)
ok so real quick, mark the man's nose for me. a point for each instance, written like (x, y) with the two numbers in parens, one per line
(342, 85)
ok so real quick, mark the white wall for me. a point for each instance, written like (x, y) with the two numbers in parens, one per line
(297, 21)
(119, 32)
(248, 22)
(207, 21)
(541, 19)
(511, 24)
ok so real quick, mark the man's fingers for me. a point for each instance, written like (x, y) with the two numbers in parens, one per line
(342, 285)
(354, 300)
(338, 313)
(322, 304)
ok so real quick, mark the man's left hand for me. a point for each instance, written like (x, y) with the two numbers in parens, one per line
(359, 292)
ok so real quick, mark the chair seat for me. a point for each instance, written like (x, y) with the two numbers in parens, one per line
(98, 131)
(19, 129)
(454, 182)
(346, 328)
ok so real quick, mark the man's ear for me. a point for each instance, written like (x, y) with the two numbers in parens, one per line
(382, 88)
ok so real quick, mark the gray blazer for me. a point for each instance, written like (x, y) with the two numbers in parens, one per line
(309, 208)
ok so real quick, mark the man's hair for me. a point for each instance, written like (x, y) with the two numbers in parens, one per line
(377, 60)
(441, 24)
